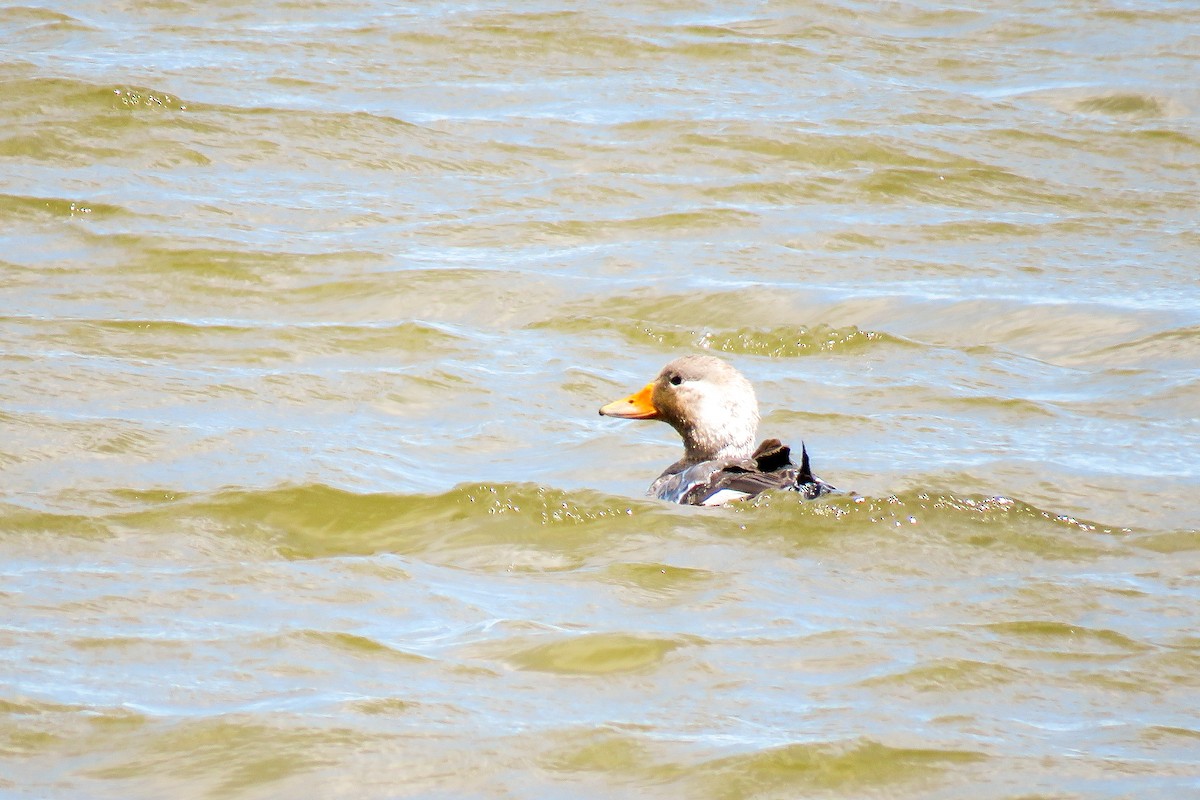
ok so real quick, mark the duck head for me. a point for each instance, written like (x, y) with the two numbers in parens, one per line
(707, 401)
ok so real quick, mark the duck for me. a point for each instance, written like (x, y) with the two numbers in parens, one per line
(715, 411)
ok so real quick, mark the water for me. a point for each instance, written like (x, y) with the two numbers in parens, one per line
(307, 310)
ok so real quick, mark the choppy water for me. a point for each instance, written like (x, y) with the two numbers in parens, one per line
(307, 309)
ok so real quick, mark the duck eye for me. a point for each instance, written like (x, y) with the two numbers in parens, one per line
(676, 380)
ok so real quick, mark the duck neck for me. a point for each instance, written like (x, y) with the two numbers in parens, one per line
(701, 445)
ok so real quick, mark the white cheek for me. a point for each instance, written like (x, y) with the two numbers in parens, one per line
(716, 407)
(707, 405)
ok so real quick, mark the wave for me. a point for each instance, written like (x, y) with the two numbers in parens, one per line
(542, 528)
(587, 654)
(31, 17)
(777, 342)
(854, 765)
(144, 125)
(1176, 348)
(24, 208)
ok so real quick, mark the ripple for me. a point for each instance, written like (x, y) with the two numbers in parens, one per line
(184, 341)
(1177, 348)
(1113, 103)
(85, 96)
(1125, 104)
(918, 517)
(350, 644)
(69, 121)
(1068, 641)
(755, 308)
(50, 208)
(858, 765)
(225, 755)
(660, 580)
(781, 342)
(37, 17)
(589, 654)
(831, 152)
(953, 675)
(968, 187)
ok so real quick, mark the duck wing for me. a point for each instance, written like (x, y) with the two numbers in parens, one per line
(775, 457)
(714, 483)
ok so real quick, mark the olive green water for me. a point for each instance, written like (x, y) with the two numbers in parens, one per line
(306, 310)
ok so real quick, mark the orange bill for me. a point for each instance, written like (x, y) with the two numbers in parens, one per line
(639, 405)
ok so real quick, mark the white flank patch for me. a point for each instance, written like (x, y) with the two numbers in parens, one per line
(724, 496)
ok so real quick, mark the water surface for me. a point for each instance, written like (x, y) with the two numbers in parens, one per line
(307, 310)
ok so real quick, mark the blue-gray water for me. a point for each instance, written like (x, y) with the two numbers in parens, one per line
(306, 310)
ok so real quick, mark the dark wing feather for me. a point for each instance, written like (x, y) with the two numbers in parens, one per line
(772, 455)
(808, 484)
(752, 483)
(768, 469)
